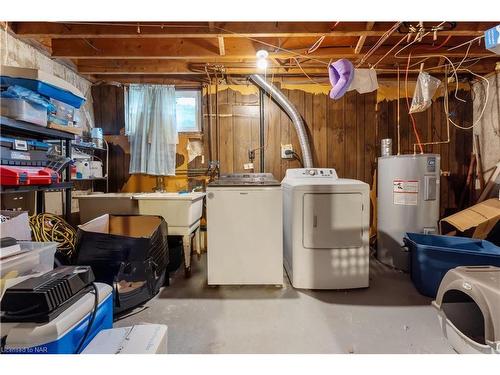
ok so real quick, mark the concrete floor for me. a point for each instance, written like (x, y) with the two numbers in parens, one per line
(389, 317)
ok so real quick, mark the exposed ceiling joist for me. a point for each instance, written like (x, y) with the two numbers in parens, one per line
(198, 49)
(70, 30)
(180, 68)
(362, 38)
(222, 48)
(160, 52)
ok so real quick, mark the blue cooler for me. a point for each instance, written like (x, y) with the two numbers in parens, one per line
(63, 334)
(431, 256)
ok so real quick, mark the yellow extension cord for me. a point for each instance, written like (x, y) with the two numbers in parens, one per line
(52, 228)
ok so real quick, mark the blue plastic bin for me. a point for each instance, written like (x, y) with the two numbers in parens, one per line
(44, 88)
(431, 256)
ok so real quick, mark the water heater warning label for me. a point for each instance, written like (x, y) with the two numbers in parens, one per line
(405, 192)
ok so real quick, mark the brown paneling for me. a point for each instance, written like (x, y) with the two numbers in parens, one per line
(109, 108)
(345, 134)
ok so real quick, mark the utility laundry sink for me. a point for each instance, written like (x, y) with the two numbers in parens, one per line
(182, 212)
(178, 209)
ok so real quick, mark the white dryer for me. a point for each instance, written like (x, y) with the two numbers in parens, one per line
(326, 223)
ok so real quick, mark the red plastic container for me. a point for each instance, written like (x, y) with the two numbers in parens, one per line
(42, 176)
(13, 176)
(21, 176)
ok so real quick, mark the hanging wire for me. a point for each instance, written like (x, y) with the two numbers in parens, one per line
(303, 71)
(381, 41)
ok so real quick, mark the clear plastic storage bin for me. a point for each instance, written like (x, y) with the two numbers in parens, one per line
(63, 110)
(36, 257)
(20, 109)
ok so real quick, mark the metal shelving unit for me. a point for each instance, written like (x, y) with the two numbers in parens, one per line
(23, 129)
(91, 151)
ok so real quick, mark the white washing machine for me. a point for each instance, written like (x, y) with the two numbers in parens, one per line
(326, 223)
(245, 230)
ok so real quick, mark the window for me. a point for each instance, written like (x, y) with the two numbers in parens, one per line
(188, 110)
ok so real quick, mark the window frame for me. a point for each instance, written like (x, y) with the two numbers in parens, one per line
(199, 117)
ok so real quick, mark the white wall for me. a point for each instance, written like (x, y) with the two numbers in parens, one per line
(488, 128)
(15, 52)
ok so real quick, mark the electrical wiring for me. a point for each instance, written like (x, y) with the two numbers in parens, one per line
(91, 320)
(381, 40)
(455, 74)
(388, 52)
(465, 56)
(317, 44)
(452, 65)
(432, 49)
(303, 72)
(414, 123)
(465, 43)
(291, 52)
(482, 110)
(52, 228)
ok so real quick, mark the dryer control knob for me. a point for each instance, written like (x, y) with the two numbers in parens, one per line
(312, 172)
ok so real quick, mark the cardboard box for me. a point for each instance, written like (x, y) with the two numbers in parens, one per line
(138, 339)
(128, 252)
(476, 221)
(18, 225)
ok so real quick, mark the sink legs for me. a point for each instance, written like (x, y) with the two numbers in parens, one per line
(186, 243)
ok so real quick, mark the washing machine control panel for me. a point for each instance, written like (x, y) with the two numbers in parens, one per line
(312, 173)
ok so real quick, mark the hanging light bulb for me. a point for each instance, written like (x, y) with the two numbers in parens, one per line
(262, 54)
(262, 59)
(261, 64)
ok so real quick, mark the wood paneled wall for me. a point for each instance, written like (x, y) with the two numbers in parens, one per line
(109, 114)
(344, 134)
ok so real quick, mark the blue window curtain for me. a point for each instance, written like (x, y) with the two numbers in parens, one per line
(151, 127)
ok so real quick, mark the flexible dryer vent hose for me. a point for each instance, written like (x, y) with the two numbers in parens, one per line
(282, 101)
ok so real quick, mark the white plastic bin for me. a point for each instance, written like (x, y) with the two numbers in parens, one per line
(37, 257)
(20, 109)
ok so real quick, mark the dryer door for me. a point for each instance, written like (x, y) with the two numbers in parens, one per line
(332, 220)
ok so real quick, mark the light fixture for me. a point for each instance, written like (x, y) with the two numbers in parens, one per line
(262, 54)
(262, 59)
(262, 64)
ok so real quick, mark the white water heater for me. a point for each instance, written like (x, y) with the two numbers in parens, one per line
(408, 201)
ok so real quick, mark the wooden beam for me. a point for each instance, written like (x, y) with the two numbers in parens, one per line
(178, 68)
(199, 49)
(214, 29)
(222, 49)
(362, 38)
(184, 81)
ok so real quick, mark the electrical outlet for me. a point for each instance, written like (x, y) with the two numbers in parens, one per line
(285, 148)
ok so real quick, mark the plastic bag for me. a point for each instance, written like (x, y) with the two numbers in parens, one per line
(424, 91)
(19, 92)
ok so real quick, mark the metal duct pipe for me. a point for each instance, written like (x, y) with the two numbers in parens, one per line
(282, 101)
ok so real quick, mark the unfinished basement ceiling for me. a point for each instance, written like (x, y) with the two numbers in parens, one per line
(180, 52)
